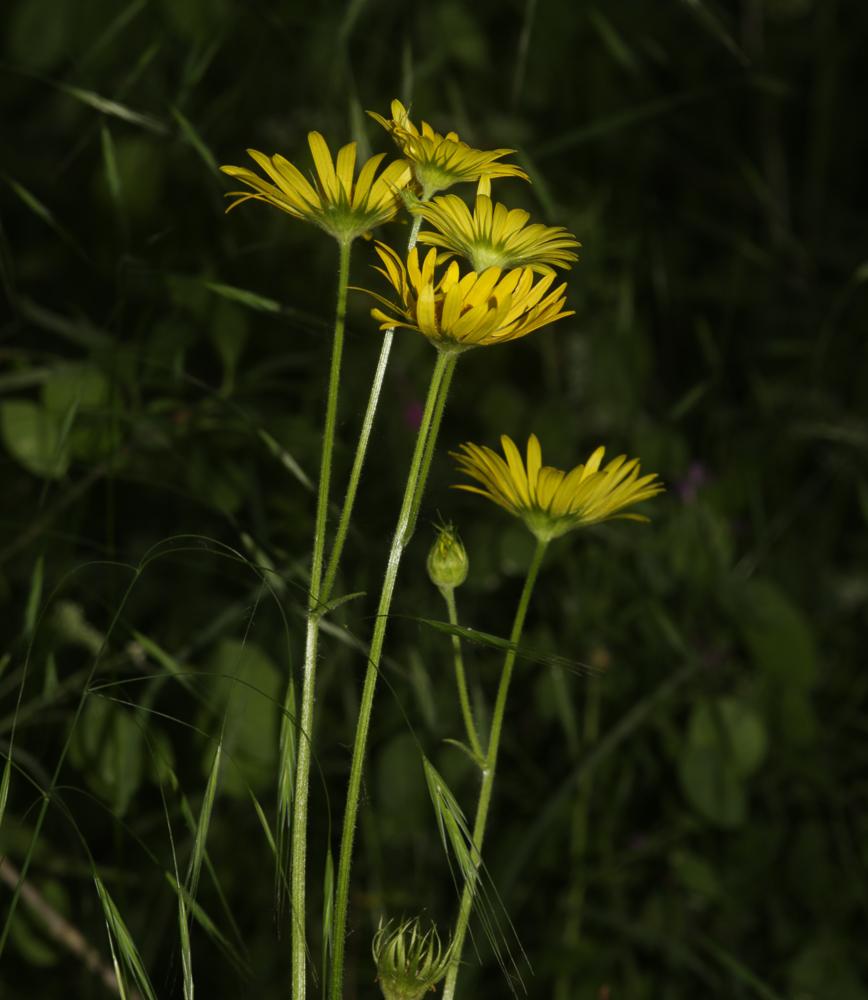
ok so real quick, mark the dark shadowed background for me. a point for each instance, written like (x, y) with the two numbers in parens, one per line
(682, 806)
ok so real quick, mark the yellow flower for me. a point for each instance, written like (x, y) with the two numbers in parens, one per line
(459, 312)
(495, 236)
(551, 501)
(439, 161)
(344, 207)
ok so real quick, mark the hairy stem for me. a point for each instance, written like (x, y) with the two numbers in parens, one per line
(490, 768)
(419, 466)
(305, 735)
(460, 677)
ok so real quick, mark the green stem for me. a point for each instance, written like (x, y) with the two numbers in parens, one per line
(358, 463)
(460, 677)
(362, 446)
(414, 231)
(490, 768)
(416, 478)
(302, 767)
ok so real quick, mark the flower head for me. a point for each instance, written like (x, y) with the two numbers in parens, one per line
(551, 501)
(338, 202)
(439, 161)
(409, 962)
(447, 561)
(458, 312)
(495, 235)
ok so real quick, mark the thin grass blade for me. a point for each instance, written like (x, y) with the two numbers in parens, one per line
(127, 954)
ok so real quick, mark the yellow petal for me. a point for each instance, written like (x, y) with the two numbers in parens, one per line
(366, 179)
(593, 463)
(534, 462)
(345, 167)
(517, 474)
(322, 160)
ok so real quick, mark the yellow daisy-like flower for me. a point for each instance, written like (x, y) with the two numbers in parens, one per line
(338, 202)
(495, 236)
(439, 161)
(474, 310)
(551, 501)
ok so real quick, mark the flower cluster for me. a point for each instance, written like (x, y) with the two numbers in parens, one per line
(489, 276)
(498, 298)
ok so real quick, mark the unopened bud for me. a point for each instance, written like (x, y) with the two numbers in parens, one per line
(410, 962)
(447, 561)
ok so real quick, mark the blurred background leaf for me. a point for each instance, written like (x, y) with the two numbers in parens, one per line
(161, 375)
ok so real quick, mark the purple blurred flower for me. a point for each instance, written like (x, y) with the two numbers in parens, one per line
(413, 414)
(694, 479)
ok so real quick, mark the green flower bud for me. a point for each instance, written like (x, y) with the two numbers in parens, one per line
(409, 962)
(447, 561)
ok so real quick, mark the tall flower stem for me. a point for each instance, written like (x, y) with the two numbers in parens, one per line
(358, 463)
(461, 678)
(302, 771)
(320, 593)
(362, 446)
(490, 767)
(418, 474)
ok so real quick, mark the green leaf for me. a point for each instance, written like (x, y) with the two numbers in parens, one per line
(696, 874)
(108, 747)
(189, 132)
(778, 636)
(328, 890)
(285, 458)
(37, 33)
(34, 598)
(478, 761)
(712, 786)
(81, 386)
(252, 726)
(34, 438)
(823, 970)
(734, 729)
(336, 602)
(504, 645)
(115, 109)
(4, 786)
(229, 332)
(401, 796)
(83, 390)
(43, 212)
(725, 743)
(247, 298)
(224, 485)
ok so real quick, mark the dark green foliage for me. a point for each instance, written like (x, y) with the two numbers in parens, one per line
(680, 808)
